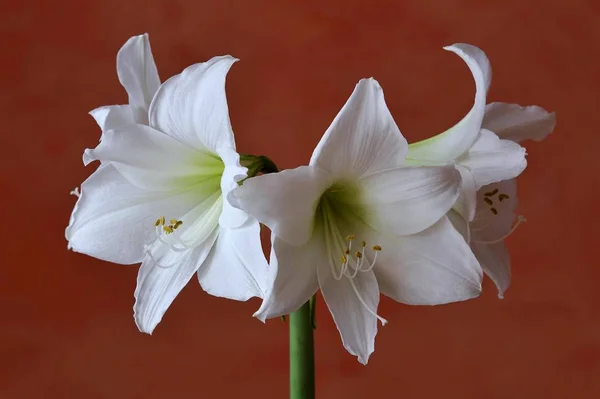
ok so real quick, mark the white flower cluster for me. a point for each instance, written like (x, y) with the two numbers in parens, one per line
(369, 214)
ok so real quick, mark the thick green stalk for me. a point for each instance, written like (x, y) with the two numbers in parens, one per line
(302, 355)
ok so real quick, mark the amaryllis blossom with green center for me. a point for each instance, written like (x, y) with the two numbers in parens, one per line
(159, 195)
(356, 222)
(484, 148)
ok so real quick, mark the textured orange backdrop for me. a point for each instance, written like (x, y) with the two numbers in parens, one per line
(66, 319)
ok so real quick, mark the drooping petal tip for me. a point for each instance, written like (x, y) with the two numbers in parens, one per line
(517, 123)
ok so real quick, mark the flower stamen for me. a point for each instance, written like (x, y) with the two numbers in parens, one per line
(488, 199)
(362, 301)
(520, 219)
(75, 192)
(148, 252)
(359, 259)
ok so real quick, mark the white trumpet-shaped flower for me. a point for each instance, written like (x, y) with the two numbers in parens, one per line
(480, 156)
(485, 148)
(356, 222)
(495, 218)
(159, 195)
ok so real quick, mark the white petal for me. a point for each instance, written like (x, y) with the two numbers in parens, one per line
(113, 219)
(236, 267)
(466, 204)
(363, 138)
(460, 224)
(517, 123)
(491, 159)
(357, 326)
(451, 144)
(159, 284)
(152, 160)
(433, 267)
(292, 276)
(137, 71)
(231, 217)
(113, 116)
(286, 201)
(495, 262)
(410, 199)
(192, 106)
(490, 226)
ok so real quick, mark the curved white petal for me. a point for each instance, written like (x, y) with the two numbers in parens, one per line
(231, 217)
(286, 201)
(192, 107)
(356, 325)
(152, 160)
(137, 71)
(114, 219)
(159, 283)
(292, 276)
(517, 123)
(408, 200)
(363, 138)
(433, 267)
(113, 116)
(491, 159)
(451, 144)
(236, 267)
(495, 261)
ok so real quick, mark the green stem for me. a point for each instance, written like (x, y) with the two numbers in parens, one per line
(302, 357)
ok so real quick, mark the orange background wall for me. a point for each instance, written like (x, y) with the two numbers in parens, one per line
(66, 319)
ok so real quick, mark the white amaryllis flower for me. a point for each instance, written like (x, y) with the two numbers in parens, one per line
(356, 222)
(480, 156)
(138, 75)
(495, 216)
(484, 146)
(159, 198)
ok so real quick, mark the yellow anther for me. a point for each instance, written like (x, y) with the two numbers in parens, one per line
(350, 237)
(177, 224)
(502, 197)
(488, 201)
(494, 211)
(363, 244)
(358, 255)
(160, 221)
(344, 259)
(173, 221)
(377, 248)
(168, 229)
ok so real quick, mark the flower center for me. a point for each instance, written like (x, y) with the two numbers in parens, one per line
(493, 199)
(340, 210)
(359, 263)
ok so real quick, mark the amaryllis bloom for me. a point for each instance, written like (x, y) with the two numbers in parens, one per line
(138, 75)
(484, 147)
(495, 218)
(159, 197)
(478, 153)
(355, 222)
